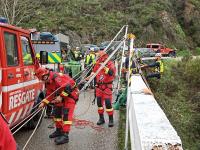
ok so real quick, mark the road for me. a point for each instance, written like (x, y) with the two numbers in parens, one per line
(86, 138)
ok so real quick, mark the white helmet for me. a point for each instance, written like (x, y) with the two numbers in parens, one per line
(92, 49)
(158, 55)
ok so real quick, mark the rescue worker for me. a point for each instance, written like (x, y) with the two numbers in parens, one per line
(104, 80)
(77, 54)
(7, 142)
(132, 65)
(159, 67)
(133, 68)
(90, 58)
(65, 100)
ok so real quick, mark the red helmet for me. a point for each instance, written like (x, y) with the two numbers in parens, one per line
(40, 72)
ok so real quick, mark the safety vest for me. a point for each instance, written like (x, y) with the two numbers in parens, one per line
(161, 67)
(28, 59)
(90, 58)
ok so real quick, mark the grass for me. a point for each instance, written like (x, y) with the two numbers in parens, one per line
(178, 95)
(122, 129)
(183, 53)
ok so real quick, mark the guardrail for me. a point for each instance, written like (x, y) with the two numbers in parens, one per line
(149, 127)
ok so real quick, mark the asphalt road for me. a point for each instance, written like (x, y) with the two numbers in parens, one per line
(81, 137)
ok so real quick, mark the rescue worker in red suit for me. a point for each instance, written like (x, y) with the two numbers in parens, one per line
(104, 80)
(64, 99)
(7, 141)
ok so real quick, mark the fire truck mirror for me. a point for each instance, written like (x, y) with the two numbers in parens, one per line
(43, 57)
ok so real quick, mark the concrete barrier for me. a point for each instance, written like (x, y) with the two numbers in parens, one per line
(149, 127)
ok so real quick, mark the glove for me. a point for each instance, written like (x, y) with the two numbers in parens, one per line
(143, 66)
(41, 105)
(106, 69)
(57, 100)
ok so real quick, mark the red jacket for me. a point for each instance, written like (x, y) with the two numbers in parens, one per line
(62, 81)
(7, 141)
(103, 76)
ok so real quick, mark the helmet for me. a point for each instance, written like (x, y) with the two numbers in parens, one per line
(77, 48)
(158, 55)
(40, 72)
(92, 49)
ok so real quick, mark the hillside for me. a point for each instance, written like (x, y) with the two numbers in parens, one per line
(173, 22)
(178, 94)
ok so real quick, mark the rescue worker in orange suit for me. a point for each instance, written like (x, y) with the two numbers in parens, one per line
(7, 141)
(104, 80)
(65, 100)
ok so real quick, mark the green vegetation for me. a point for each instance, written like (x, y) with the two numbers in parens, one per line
(197, 51)
(184, 53)
(174, 23)
(121, 129)
(178, 95)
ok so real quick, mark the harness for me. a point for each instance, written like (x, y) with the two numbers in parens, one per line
(98, 85)
(73, 88)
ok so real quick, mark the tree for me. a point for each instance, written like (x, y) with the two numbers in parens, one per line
(18, 10)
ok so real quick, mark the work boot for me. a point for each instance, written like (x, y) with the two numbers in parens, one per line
(56, 133)
(111, 122)
(64, 138)
(101, 119)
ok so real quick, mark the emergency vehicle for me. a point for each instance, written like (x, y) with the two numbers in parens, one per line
(159, 48)
(59, 56)
(20, 89)
(47, 42)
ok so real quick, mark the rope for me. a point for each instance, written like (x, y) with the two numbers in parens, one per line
(27, 121)
(24, 119)
(120, 72)
(78, 123)
(34, 129)
(141, 72)
(102, 65)
(81, 124)
(34, 108)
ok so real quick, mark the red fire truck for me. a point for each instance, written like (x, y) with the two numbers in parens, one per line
(20, 90)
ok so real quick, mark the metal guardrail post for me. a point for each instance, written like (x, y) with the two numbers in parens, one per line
(120, 69)
(131, 51)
